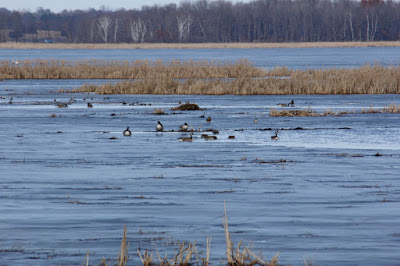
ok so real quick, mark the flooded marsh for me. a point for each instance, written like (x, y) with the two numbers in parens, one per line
(328, 190)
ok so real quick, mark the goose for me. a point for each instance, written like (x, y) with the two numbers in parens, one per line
(127, 132)
(203, 136)
(159, 127)
(62, 105)
(184, 127)
(187, 139)
(276, 136)
(208, 119)
(89, 105)
(284, 104)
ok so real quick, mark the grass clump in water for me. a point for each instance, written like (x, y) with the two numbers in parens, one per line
(186, 107)
(306, 112)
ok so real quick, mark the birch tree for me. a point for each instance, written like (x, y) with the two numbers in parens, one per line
(138, 30)
(184, 23)
(104, 25)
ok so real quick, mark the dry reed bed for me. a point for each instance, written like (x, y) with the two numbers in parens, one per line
(187, 255)
(13, 45)
(364, 80)
(392, 108)
(140, 69)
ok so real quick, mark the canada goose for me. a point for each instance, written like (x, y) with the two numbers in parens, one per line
(127, 132)
(187, 139)
(210, 138)
(184, 127)
(208, 119)
(89, 105)
(231, 137)
(159, 127)
(276, 136)
(62, 105)
(284, 104)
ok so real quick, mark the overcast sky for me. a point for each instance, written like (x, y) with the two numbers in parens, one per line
(57, 5)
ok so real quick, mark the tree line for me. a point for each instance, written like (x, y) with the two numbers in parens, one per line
(211, 21)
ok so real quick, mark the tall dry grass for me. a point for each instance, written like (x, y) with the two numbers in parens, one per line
(364, 80)
(210, 78)
(392, 108)
(187, 254)
(140, 69)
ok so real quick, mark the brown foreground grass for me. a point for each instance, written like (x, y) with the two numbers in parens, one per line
(13, 45)
(365, 80)
(188, 254)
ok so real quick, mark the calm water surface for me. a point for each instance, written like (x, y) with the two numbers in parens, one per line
(319, 192)
(294, 58)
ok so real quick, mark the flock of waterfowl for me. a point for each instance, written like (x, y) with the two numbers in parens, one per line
(184, 128)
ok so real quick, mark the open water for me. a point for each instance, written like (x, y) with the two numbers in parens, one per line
(70, 180)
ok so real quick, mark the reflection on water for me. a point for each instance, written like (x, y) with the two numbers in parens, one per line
(70, 180)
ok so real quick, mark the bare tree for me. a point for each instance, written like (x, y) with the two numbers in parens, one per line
(350, 19)
(184, 23)
(104, 24)
(138, 30)
(115, 30)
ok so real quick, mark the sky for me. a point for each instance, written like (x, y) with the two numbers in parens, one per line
(57, 5)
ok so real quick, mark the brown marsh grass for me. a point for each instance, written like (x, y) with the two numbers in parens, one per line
(140, 69)
(392, 108)
(208, 78)
(364, 80)
(305, 112)
(187, 254)
(13, 45)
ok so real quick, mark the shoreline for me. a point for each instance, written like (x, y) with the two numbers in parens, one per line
(12, 45)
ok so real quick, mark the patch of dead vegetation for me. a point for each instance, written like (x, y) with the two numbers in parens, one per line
(186, 107)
